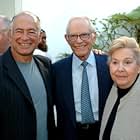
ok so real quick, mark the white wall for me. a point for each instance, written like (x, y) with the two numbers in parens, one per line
(10, 7)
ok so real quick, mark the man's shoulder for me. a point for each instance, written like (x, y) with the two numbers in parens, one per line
(42, 59)
(64, 61)
(101, 57)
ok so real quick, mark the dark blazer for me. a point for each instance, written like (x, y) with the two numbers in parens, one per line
(17, 112)
(64, 98)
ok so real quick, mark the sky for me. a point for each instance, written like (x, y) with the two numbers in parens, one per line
(54, 15)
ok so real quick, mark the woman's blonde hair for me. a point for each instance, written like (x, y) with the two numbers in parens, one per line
(125, 42)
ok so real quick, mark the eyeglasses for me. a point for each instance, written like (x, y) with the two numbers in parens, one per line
(83, 36)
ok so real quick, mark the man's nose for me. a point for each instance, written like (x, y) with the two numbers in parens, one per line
(25, 35)
(79, 39)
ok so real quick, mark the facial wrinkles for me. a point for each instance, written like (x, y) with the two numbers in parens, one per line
(80, 47)
(25, 34)
(125, 73)
(22, 30)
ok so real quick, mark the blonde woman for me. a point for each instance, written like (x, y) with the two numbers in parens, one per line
(121, 117)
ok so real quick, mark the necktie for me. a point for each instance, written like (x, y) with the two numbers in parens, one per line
(86, 109)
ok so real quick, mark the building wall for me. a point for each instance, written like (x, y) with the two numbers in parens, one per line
(10, 7)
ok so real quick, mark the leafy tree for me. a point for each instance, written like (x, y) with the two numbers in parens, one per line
(115, 26)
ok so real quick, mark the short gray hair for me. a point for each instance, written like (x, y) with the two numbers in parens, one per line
(86, 19)
(35, 17)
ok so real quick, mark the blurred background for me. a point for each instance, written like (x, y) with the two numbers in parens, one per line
(55, 14)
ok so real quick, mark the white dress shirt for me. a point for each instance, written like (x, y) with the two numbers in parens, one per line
(77, 70)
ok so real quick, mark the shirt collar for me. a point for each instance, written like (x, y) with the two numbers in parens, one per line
(77, 62)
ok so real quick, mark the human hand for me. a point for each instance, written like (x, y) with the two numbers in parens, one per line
(98, 51)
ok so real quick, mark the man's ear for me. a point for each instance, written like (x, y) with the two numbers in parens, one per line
(93, 37)
(66, 37)
(40, 37)
(139, 70)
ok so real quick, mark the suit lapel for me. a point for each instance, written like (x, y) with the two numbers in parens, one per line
(69, 96)
(43, 70)
(101, 80)
(15, 75)
(46, 75)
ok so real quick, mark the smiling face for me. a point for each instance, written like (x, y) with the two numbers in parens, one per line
(24, 37)
(80, 38)
(123, 67)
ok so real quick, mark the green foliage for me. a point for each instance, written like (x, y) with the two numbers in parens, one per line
(135, 14)
(115, 26)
